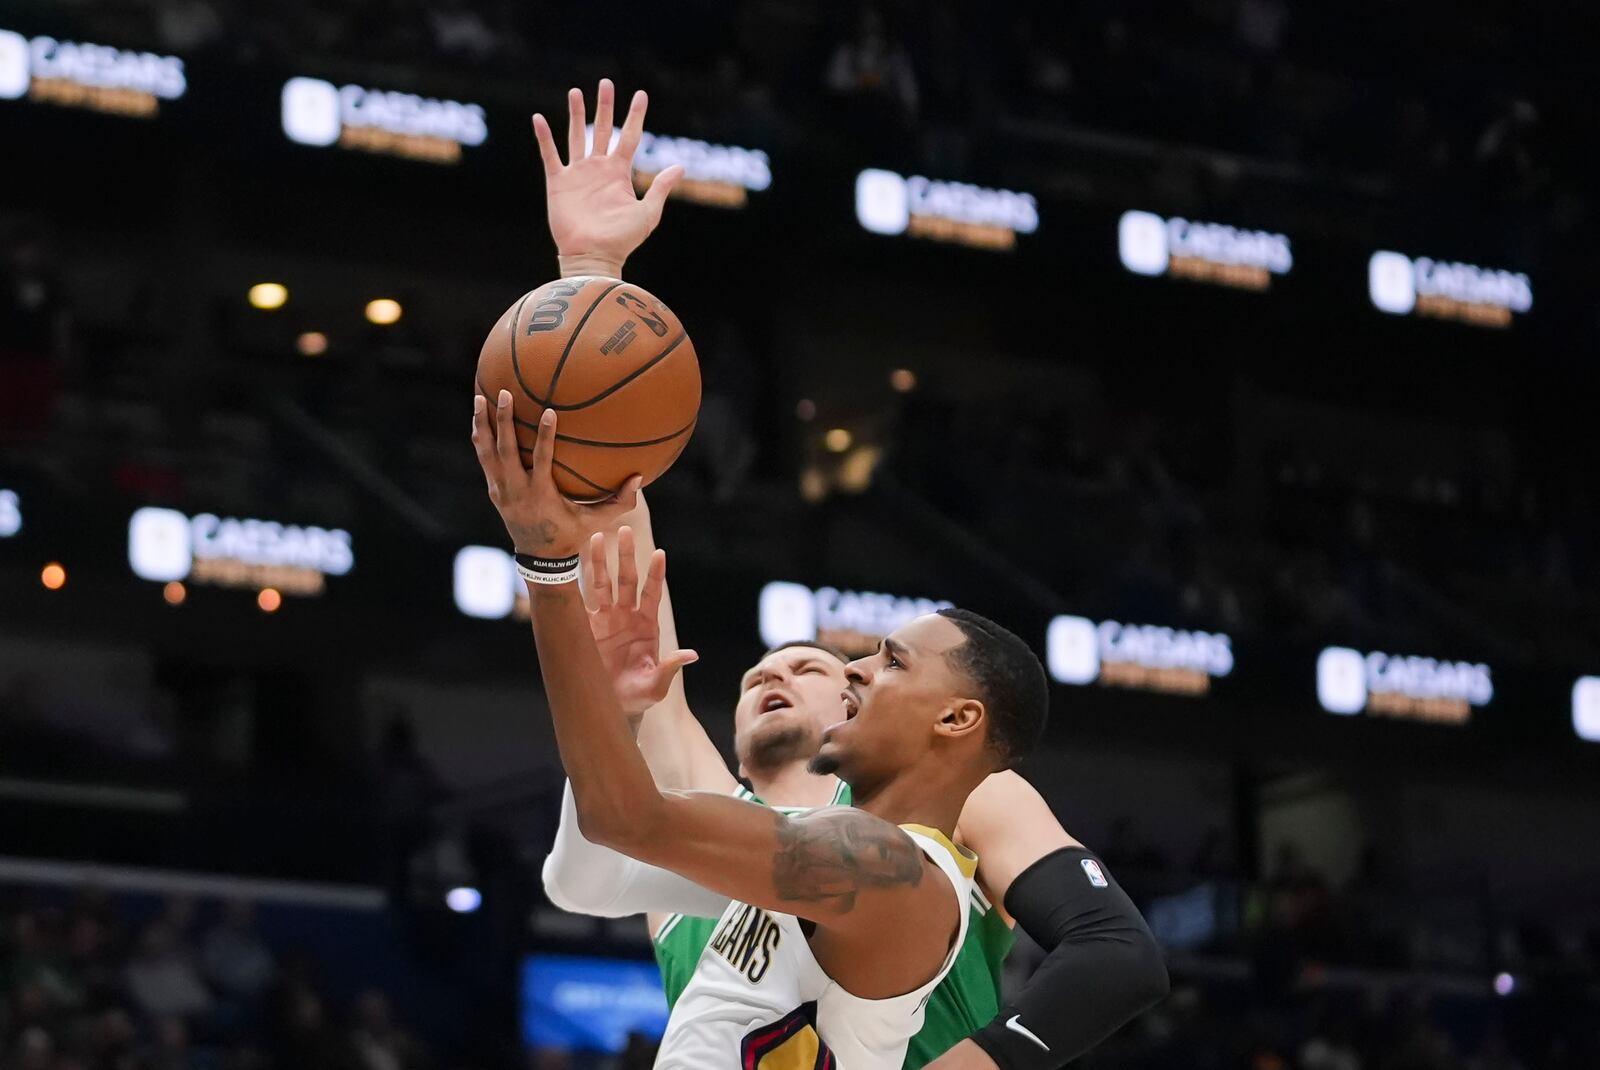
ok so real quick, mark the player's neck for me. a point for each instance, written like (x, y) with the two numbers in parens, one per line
(792, 784)
(931, 796)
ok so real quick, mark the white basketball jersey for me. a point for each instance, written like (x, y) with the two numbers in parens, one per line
(759, 1000)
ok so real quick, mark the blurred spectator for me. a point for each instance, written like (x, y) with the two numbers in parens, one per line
(237, 961)
(378, 1042)
(459, 30)
(872, 72)
(35, 332)
(187, 26)
(162, 978)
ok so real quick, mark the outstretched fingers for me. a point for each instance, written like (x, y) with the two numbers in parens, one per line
(549, 155)
(575, 121)
(604, 99)
(633, 126)
(599, 572)
(627, 569)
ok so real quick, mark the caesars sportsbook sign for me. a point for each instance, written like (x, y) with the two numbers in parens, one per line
(1411, 688)
(165, 545)
(1141, 657)
(77, 74)
(1402, 285)
(852, 622)
(959, 212)
(383, 121)
(1217, 253)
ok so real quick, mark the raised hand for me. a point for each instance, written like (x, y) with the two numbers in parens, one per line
(626, 625)
(595, 217)
(541, 521)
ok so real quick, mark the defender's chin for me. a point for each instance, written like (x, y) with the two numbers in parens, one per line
(824, 763)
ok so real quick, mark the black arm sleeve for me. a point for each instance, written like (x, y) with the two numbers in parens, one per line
(1103, 966)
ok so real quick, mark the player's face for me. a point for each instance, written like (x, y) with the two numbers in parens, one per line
(785, 700)
(892, 702)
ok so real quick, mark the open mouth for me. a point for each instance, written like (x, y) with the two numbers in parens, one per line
(852, 703)
(775, 700)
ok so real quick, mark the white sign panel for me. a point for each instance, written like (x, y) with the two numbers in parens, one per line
(10, 513)
(486, 584)
(1586, 708)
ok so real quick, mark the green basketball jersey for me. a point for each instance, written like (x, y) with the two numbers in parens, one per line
(966, 1000)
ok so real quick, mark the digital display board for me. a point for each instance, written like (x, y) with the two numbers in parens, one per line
(574, 1002)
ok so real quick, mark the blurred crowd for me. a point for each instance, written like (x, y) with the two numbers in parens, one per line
(86, 984)
(938, 82)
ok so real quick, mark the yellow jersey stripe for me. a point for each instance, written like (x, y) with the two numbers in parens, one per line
(966, 861)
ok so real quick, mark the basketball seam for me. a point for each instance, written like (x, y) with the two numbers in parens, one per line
(609, 445)
(625, 380)
(566, 351)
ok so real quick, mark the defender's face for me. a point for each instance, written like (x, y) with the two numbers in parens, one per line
(789, 695)
(893, 700)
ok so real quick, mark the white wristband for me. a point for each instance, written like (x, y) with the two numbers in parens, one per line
(548, 571)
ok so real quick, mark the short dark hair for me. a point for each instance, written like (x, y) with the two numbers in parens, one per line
(1010, 682)
(812, 644)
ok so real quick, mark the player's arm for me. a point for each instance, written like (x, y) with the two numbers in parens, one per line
(855, 875)
(639, 646)
(1103, 966)
(596, 218)
(597, 222)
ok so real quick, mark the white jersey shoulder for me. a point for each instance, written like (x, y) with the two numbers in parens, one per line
(758, 998)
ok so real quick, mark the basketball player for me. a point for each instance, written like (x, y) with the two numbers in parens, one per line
(837, 923)
(1103, 966)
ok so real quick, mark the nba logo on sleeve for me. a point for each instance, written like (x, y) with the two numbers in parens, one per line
(160, 544)
(1142, 243)
(14, 76)
(311, 111)
(1092, 870)
(882, 204)
(1392, 283)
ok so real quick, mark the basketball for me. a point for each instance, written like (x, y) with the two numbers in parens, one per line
(615, 364)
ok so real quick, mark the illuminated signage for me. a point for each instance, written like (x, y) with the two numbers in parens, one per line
(487, 586)
(166, 545)
(1586, 708)
(1145, 657)
(1391, 685)
(888, 203)
(10, 514)
(1401, 286)
(720, 175)
(1206, 252)
(76, 74)
(849, 621)
(320, 114)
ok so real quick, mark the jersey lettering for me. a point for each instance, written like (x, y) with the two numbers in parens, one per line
(748, 940)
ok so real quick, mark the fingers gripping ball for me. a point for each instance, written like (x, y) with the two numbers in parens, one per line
(614, 363)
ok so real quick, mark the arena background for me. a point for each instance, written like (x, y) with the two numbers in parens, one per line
(1305, 531)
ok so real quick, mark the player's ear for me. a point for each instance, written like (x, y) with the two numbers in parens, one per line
(962, 718)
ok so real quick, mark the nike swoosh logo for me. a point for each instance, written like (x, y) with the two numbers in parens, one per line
(1014, 1023)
